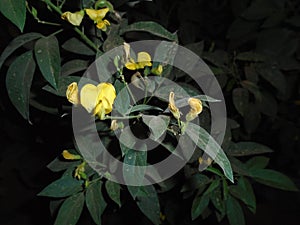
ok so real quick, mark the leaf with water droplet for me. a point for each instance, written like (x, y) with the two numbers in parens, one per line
(48, 58)
(18, 82)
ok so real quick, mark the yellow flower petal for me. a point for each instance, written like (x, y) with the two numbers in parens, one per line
(73, 18)
(105, 99)
(102, 25)
(143, 59)
(72, 93)
(96, 15)
(131, 65)
(89, 97)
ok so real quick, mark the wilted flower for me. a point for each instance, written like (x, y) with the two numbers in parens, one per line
(196, 108)
(73, 18)
(97, 16)
(72, 93)
(67, 155)
(172, 107)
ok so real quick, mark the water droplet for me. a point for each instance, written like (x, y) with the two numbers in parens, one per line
(130, 157)
(39, 51)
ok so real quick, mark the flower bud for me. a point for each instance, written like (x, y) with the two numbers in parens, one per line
(114, 125)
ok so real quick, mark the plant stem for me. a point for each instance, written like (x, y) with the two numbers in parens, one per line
(129, 91)
(123, 117)
(82, 35)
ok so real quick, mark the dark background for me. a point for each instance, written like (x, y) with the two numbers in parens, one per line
(26, 148)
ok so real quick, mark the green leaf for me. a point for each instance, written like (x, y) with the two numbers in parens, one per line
(18, 82)
(194, 182)
(122, 101)
(252, 118)
(244, 191)
(150, 27)
(258, 162)
(165, 53)
(250, 56)
(142, 107)
(62, 187)
(74, 66)
(58, 165)
(134, 167)
(268, 104)
(253, 88)
(63, 83)
(258, 10)
(113, 39)
(157, 124)
(238, 166)
(76, 46)
(70, 210)
(17, 43)
(149, 204)
(274, 179)
(127, 140)
(247, 148)
(113, 190)
(15, 11)
(234, 212)
(95, 201)
(240, 98)
(48, 58)
(207, 143)
(274, 76)
(200, 203)
(215, 184)
(217, 200)
(240, 28)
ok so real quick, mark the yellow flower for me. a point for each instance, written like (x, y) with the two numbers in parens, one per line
(72, 93)
(73, 18)
(103, 24)
(67, 155)
(158, 70)
(196, 108)
(97, 16)
(162, 216)
(172, 107)
(143, 59)
(98, 99)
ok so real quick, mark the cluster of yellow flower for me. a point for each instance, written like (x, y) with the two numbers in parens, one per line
(97, 15)
(95, 99)
(143, 60)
